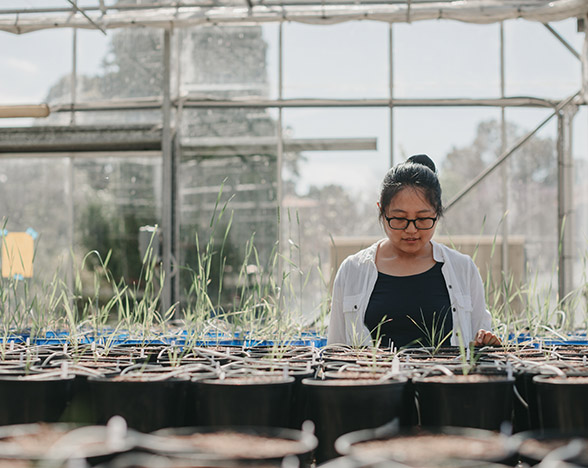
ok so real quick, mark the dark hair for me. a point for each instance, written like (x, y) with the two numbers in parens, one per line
(418, 171)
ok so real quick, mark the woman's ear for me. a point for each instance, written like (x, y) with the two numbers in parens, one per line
(379, 207)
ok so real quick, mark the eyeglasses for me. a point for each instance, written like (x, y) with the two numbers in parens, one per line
(402, 223)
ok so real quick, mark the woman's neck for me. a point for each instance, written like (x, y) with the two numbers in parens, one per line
(399, 263)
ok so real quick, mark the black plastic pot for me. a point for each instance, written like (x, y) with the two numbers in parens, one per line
(34, 398)
(562, 402)
(57, 445)
(442, 446)
(483, 402)
(525, 410)
(339, 406)
(147, 405)
(230, 444)
(260, 400)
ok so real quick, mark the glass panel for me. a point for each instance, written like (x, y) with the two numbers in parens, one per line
(227, 61)
(30, 65)
(435, 131)
(115, 196)
(331, 194)
(537, 64)
(33, 196)
(532, 206)
(133, 65)
(580, 160)
(227, 181)
(348, 60)
(438, 59)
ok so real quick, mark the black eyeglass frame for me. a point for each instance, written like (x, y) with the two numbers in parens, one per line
(408, 221)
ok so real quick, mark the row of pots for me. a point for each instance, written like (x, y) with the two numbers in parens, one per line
(339, 389)
(115, 446)
(61, 445)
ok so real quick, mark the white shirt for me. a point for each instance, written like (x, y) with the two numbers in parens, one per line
(356, 279)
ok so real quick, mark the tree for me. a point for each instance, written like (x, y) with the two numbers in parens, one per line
(532, 189)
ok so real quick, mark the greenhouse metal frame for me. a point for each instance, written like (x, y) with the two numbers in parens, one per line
(171, 16)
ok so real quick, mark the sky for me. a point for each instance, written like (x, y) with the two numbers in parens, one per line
(350, 60)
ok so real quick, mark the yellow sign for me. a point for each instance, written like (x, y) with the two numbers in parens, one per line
(17, 255)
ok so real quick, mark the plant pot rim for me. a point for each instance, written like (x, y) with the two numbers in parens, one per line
(248, 381)
(344, 444)
(158, 441)
(457, 379)
(400, 379)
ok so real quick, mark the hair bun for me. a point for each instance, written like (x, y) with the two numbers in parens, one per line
(424, 160)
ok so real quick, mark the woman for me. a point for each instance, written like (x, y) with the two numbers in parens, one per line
(407, 289)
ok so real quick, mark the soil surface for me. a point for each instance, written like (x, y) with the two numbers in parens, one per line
(354, 375)
(470, 378)
(249, 380)
(431, 449)
(34, 444)
(238, 445)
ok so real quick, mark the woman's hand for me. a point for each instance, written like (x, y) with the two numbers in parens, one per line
(484, 337)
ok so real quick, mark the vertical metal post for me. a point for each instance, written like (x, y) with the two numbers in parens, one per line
(505, 175)
(564, 209)
(176, 181)
(280, 148)
(74, 76)
(391, 84)
(584, 59)
(70, 218)
(167, 177)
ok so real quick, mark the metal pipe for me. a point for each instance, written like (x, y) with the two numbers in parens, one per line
(565, 215)
(74, 75)
(33, 111)
(85, 15)
(566, 44)
(391, 79)
(166, 201)
(177, 157)
(561, 212)
(280, 147)
(505, 174)
(176, 5)
(187, 102)
(521, 141)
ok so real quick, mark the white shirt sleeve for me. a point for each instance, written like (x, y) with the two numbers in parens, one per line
(337, 321)
(481, 318)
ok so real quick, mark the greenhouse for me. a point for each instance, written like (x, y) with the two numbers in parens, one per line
(182, 181)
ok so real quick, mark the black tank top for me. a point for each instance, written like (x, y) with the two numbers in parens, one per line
(410, 310)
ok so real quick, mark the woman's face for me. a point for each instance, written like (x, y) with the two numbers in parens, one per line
(409, 203)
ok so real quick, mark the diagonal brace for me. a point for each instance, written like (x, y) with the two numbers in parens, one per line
(520, 142)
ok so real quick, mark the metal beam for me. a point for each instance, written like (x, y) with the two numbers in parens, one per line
(79, 139)
(391, 86)
(269, 145)
(85, 15)
(505, 180)
(167, 178)
(183, 15)
(565, 202)
(566, 44)
(187, 102)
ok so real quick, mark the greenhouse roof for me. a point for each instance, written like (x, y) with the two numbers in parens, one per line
(184, 14)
